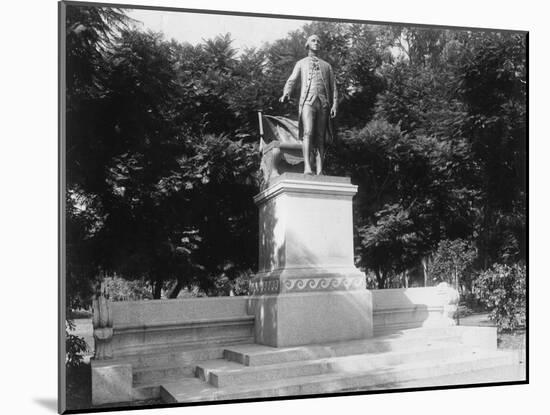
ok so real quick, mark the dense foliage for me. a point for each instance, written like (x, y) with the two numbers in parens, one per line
(502, 289)
(162, 155)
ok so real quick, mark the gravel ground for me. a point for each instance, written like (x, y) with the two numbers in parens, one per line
(479, 320)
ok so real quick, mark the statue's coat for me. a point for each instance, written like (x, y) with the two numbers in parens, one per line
(301, 71)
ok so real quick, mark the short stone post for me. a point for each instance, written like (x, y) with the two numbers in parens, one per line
(450, 302)
(103, 328)
(111, 380)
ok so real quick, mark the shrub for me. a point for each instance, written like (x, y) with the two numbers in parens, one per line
(502, 290)
(241, 284)
(120, 289)
(75, 347)
(224, 285)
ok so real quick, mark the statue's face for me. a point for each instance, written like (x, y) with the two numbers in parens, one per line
(314, 43)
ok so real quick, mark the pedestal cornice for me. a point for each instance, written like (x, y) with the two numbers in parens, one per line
(295, 183)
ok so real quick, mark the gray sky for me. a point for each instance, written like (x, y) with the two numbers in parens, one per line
(193, 27)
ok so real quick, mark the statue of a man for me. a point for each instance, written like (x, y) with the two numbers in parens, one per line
(318, 100)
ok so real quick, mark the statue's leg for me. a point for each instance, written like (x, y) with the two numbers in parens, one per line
(307, 123)
(320, 131)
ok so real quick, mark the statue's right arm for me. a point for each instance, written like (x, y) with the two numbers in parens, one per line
(289, 86)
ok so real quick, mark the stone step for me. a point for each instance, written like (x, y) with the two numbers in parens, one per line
(258, 355)
(221, 373)
(344, 380)
(172, 356)
(188, 390)
(158, 374)
(151, 390)
(176, 362)
(146, 392)
(153, 369)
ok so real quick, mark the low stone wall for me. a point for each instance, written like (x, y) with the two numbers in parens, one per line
(133, 334)
(405, 308)
(152, 326)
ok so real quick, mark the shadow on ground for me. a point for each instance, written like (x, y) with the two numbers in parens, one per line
(48, 403)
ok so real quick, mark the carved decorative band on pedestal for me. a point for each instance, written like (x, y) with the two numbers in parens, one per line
(307, 284)
(322, 284)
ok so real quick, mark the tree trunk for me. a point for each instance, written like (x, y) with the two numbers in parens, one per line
(379, 279)
(425, 270)
(176, 290)
(157, 290)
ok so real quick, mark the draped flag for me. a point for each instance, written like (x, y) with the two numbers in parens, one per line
(280, 129)
(284, 130)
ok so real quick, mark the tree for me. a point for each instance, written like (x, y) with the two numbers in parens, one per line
(466, 150)
(173, 194)
(413, 192)
(154, 189)
(452, 261)
(493, 86)
(91, 33)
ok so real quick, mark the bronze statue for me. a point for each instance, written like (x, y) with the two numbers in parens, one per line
(318, 100)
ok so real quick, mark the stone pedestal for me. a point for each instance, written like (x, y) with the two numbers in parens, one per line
(307, 289)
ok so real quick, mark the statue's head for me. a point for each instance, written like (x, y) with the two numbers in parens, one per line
(313, 42)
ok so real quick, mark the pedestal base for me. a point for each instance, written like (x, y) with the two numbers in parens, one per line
(308, 289)
(312, 317)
